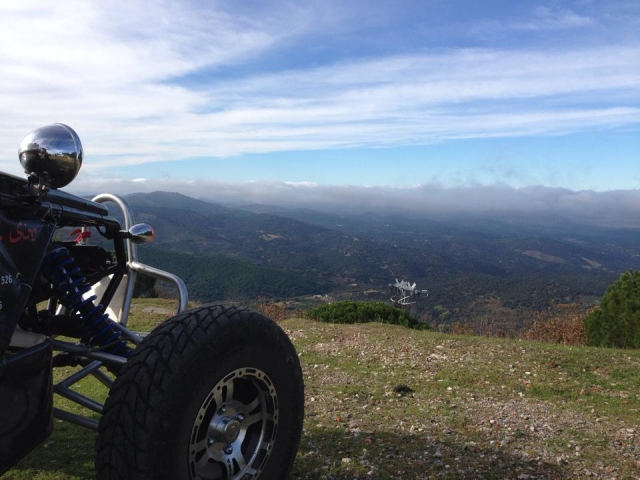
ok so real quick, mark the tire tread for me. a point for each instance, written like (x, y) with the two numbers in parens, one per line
(133, 405)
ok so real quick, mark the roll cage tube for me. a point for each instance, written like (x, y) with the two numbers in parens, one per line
(134, 266)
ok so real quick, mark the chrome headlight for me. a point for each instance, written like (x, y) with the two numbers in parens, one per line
(53, 153)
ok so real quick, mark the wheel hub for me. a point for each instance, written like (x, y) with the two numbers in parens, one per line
(235, 428)
(225, 429)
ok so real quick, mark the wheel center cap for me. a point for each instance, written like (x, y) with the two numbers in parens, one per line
(231, 431)
(225, 429)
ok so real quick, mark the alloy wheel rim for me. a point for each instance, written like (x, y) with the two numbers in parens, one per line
(235, 428)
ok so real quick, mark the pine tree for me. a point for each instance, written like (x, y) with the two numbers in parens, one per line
(616, 322)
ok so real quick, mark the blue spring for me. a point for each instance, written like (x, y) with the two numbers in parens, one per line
(70, 288)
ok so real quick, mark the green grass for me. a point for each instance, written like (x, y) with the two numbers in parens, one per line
(480, 408)
(68, 453)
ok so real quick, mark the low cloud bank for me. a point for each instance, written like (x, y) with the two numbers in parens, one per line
(610, 208)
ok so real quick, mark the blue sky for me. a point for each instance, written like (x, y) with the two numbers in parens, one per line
(207, 96)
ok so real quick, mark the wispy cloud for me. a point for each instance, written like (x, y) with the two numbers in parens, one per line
(554, 18)
(119, 73)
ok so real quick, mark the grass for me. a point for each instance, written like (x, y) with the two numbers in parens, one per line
(481, 407)
(475, 407)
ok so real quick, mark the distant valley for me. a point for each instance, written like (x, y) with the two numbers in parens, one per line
(466, 262)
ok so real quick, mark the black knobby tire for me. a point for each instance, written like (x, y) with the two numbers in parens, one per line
(215, 392)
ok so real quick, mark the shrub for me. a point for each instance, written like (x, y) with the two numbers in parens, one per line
(616, 321)
(275, 311)
(560, 324)
(348, 311)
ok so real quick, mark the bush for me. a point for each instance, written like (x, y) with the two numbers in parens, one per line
(563, 324)
(616, 321)
(364, 312)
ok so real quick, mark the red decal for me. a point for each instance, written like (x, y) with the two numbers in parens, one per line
(22, 234)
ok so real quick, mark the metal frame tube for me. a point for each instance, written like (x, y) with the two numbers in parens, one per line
(134, 266)
(99, 358)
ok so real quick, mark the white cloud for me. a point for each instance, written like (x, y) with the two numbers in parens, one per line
(111, 71)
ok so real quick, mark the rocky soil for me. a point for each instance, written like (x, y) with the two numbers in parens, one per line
(391, 403)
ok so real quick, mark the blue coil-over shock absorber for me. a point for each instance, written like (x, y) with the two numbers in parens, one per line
(70, 287)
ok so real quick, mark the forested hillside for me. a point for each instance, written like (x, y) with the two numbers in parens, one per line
(216, 277)
(260, 251)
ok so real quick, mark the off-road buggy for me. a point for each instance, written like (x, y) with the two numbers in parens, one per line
(214, 392)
